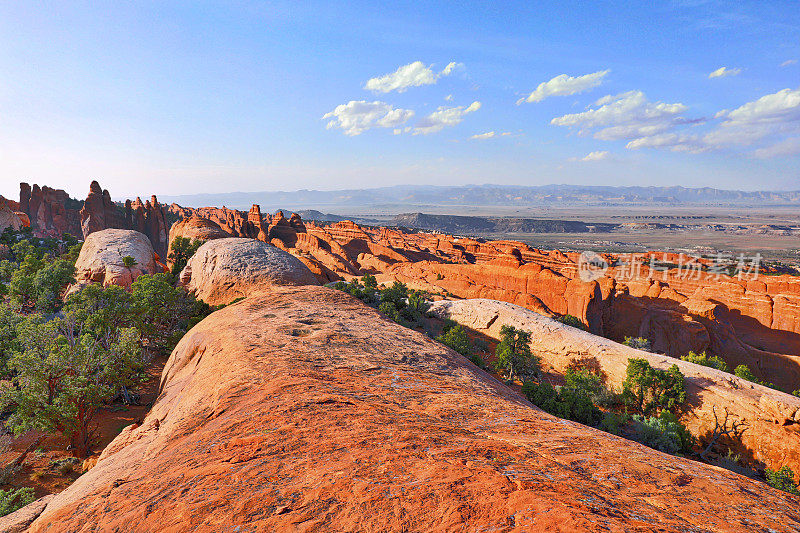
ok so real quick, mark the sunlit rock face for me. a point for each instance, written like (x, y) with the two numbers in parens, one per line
(301, 408)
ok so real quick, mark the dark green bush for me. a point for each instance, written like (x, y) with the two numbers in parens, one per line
(13, 499)
(456, 338)
(565, 402)
(640, 343)
(613, 422)
(650, 389)
(182, 250)
(705, 360)
(397, 293)
(744, 372)
(782, 479)
(60, 377)
(370, 282)
(573, 321)
(390, 310)
(513, 355)
(164, 313)
(664, 433)
(591, 384)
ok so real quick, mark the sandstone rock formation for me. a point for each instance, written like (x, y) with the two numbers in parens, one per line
(304, 410)
(149, 218)
(772, 417)
(225, 269)
(99, 212)
(236, 223)
(51, 212)
(753, 321)
(100, 259)
(8, 218)
(195, 227)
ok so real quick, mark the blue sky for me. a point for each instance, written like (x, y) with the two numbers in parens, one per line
(170, 98)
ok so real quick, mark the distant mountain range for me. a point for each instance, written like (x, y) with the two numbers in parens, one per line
(491, 195)
(484, 225)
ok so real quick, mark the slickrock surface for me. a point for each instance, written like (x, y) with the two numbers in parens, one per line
(772, 417)
(225, 269)
(303, 410)
(101, 256)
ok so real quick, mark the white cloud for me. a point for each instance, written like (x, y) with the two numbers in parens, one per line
(596, 156)
(448, 98)
(489, 135)
(564, 85)
(675, 142)
(450, 68)
(776, 113)
(789, 62)
(770, 116)
(414, 74)
(625, 116)
(358, 116)
(721, 72)
(786, 147)
(444, 117)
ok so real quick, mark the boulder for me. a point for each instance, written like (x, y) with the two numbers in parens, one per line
(302, 409)
(223, 270)
(100, 260)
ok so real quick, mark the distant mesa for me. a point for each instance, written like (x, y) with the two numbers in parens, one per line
(498, 195)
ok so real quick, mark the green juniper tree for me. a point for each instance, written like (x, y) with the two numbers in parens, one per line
(181, 251)
(513, 355)
(651, 389)
(62, 376)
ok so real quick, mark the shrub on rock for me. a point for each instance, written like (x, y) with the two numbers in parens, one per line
(639, 343)
(664, 433)
(782, 479)
(651, 389)
(513, 355)
(456, 338)
(564, 402)
(571, 320)
(705, 360)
